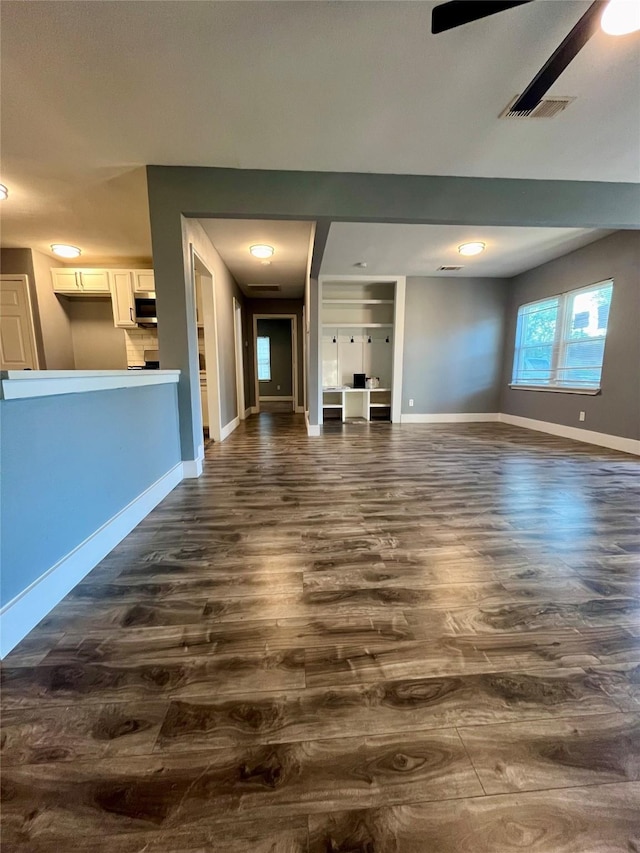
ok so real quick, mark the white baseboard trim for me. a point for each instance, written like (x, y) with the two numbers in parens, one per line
(229, 428)
(602, 439)
(299, 410)
(455, 418)
(276, 399)
(248, 412)
(23, 613)
(313, 430)
(192, 468)
(255, 410)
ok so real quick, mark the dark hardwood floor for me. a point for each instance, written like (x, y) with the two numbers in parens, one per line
(420, 639)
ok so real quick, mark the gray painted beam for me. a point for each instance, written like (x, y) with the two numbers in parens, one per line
(205, 192)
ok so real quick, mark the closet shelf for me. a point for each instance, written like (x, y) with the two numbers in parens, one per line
(329, 301)
(357, 325)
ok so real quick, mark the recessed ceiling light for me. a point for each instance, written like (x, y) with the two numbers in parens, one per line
(473, 248)
(4, 192)
(621, 17)
(261, 251)
(65, 251)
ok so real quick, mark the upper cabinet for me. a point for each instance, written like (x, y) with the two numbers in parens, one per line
(65, 281)
(123, 299)
(143, 281)
(78, 282)
(94, 281)
(121, 285)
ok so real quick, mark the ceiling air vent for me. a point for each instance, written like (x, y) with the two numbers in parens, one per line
(547, 108)
(265, 288)
(448, 269)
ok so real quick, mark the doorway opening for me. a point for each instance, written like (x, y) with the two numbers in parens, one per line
(275, 347)
(205, 320)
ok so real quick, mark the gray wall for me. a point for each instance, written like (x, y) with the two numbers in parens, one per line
(453, 343)
(616, 411)
(97, 344)
(56, 328)
(177, 331)
(52, 328)
(279, 333)
(275, 306)
(70, 463)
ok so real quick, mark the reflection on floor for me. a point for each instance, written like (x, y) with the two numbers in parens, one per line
(276, 406)
(386, 640)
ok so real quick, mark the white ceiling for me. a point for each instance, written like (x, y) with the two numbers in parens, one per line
(421, 249)
(290, 240)
(92, 91)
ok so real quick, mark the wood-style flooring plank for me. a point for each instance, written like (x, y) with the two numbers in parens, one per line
(382, 707)
(597, 819)
(528, 756)
(105, 682)
(277, 835)
(254, 782)
(77, 731)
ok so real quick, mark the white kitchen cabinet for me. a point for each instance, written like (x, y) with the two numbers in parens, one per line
(81, 282)
(143, 281)
(65, 281)
(94, 281)
(122, 299)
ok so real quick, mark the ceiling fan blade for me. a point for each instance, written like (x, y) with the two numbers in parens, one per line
(586, 27)
(455, 13)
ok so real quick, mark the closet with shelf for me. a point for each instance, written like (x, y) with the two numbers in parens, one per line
(359, 324)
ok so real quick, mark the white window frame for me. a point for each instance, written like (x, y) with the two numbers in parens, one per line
(258, 339)
(559, 344)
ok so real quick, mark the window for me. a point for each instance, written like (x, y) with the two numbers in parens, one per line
(560, 340)
(264, 359)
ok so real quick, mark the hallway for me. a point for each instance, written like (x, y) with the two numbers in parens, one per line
(384, 640)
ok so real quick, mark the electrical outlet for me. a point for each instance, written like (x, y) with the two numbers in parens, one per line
(410, 402)
(277, 387)
(582, 416)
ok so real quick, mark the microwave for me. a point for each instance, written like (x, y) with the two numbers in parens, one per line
(146, 314)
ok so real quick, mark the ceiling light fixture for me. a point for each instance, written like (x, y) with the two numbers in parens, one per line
(4, 192)
(473, 248)
(621, 17)
(261, 251)
(63, 251)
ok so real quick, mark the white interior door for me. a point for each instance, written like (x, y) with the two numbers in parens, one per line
(17, 339)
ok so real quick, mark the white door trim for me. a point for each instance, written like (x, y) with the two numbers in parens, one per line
(294, 354)
(212, 368)
(237, 339)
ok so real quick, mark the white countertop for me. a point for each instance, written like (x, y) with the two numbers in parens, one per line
(20, 384)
